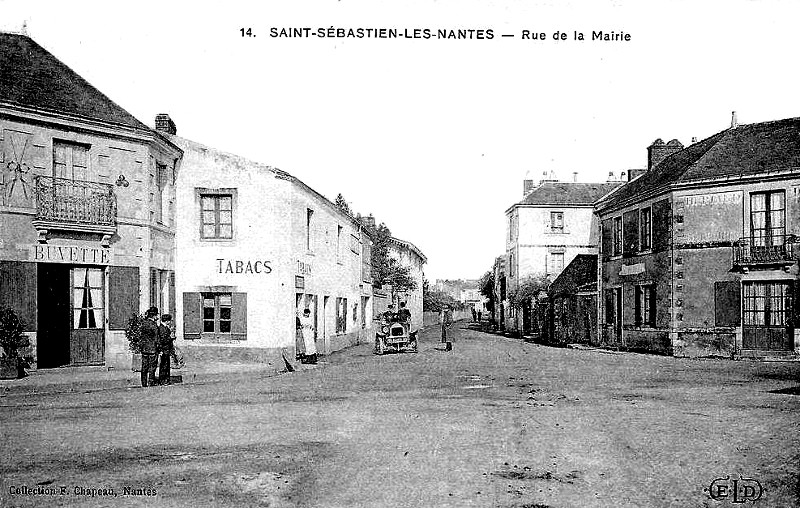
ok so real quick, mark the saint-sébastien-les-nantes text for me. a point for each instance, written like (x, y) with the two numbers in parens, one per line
(333, 32)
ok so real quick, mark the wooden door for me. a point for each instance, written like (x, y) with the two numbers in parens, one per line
(53, 300)
(87, 340)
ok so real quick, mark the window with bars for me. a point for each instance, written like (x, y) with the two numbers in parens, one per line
(217, 311)
(616, 235)
(766, 304)
(768, 218)
(556, 222)
(645, 305)
(645, 229)
(216, 216)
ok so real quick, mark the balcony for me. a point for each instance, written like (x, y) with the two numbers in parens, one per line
(764, 252)
(74, 205)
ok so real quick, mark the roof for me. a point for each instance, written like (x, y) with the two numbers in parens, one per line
(746, 150)
(242, 163)
(410, 246)
(31, 76)
(567, 193)
(582, 270)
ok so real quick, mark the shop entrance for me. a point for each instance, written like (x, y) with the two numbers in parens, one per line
(71, 316)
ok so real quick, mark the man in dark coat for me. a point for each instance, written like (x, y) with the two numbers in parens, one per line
(149, 346)
(165, 348)
(404, 315)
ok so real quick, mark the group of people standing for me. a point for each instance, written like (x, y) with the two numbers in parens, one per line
(157, 346)
(476, 315)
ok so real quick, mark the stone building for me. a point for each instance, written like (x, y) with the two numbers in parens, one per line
(407, 254)
(256, 246)
(698, 254)
(87, 210)
(552, 224)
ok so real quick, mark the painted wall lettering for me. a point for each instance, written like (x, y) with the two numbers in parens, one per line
(243, 266)
(303, 268)
(70, 254)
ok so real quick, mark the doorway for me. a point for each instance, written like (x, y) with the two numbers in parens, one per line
(71, 316)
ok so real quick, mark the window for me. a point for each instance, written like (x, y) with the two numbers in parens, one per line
(768, 218)
(70, 160)
(217, 312)
(309, 215)
(616, 233)
(87, 301)
(766, 304)
(216, 216)
(339, 230)
(556, 222)
(510, 227)
(556, 264)
(158, 198)
(341, 315)
(645, 308)
(645, 229)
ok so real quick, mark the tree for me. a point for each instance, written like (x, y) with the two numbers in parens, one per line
(12, 333)
(386, 270)
(342, 204)
(528, 290)
(486, 287)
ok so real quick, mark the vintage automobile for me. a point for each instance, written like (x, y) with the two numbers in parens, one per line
(396, 336)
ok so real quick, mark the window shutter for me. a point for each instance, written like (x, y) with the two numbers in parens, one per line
(637, 305)
(727, 298)
(18, 290)
(606, 239)
(651, 311)
(123, 295)
(172, 294)
(662, 225)
(192, 316)
(630, 232)
(239, 316)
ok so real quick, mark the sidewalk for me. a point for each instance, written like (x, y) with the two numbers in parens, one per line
(86, 379)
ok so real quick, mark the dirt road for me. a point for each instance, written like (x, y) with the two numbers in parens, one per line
(497, 422)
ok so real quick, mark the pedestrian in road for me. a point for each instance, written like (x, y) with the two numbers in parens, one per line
(474, 314)
(479, 314)
(446, 319)
(165, 349)
(148, 346)
(307, 327)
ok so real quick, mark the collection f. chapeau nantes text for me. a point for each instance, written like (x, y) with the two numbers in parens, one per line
(438, 34)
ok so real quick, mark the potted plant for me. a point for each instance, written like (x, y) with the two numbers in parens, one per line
(133, 333)
(12, 339)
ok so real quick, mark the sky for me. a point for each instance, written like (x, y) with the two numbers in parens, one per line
(434, 137)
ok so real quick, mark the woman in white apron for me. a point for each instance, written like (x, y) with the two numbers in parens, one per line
(307, 327)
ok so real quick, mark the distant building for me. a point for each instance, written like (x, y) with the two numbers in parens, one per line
(407, 254)
(552, 224)
(87, 211)
(257, 247)
(699, 254)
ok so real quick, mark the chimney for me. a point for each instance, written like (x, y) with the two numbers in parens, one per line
(165, 124)
(611, 177)
(575, 176)
(368, 221)
(553, 175)
(734, 121)
(659, 151)
(694, 139)
(623, 176)
(527, 187)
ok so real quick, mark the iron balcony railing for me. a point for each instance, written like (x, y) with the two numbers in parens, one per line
(764, 250)
(62, 200)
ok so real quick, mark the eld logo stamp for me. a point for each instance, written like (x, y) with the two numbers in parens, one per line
(737, 491)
